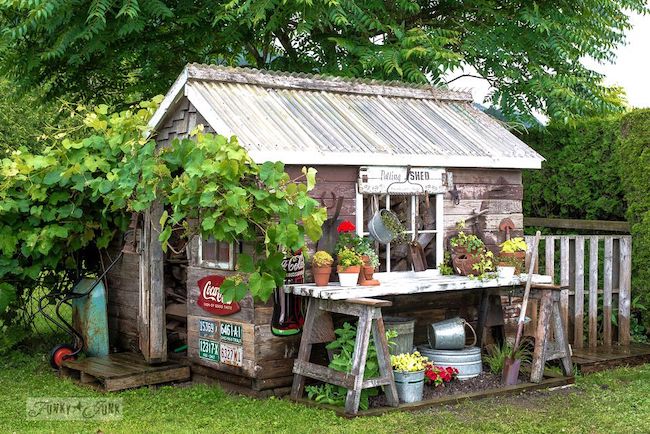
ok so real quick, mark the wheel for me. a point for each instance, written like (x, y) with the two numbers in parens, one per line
(59, 353)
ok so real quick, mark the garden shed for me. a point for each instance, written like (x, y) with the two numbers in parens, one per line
(364, 137)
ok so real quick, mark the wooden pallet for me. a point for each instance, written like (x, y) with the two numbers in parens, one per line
(122, 371)
(602, 358)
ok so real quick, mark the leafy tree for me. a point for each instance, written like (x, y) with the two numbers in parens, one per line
(58, 207)
(529, 51)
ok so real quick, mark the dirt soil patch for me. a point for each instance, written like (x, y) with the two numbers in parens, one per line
(484, 381)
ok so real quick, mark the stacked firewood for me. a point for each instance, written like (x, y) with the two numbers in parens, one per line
(176, 303)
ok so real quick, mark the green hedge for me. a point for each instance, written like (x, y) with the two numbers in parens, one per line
(579, 178)
(634, 154)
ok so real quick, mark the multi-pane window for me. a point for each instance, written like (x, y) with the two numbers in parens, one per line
(216, 254)
(421, 218)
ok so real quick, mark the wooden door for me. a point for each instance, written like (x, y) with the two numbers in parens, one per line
(151, 309)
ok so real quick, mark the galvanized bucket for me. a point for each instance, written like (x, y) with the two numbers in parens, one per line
(467, 361)
(410, 385)
(404, 327)
(378, 229)
(449, 334)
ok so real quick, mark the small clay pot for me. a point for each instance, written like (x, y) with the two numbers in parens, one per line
(464, 264)
(321, 274)
(519, 257)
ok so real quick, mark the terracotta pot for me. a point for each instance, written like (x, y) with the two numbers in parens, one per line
(348, 276)
(463, 264)
(368, 271)
(365, 259)
(519, 257)
(321, 274)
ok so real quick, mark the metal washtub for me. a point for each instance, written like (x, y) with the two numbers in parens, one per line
(467, 361)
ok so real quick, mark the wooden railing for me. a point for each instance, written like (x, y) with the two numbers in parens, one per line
(588, 274)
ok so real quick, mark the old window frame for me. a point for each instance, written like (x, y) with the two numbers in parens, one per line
(439, 230)
(220, 265)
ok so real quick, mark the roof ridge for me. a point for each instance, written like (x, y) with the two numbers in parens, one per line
(321, 82)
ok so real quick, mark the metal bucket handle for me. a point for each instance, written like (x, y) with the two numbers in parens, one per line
(464, 323)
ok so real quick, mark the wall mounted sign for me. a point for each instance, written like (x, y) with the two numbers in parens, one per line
(386, 179)
(210, 298)
(231, 354)
(230, 332)
(208, 329)
(209, 350)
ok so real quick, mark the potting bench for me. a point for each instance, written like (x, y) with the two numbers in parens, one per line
(362, 302)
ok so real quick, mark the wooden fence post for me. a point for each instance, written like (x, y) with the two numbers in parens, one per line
(607, 291)
(624, 285)
(593, 292)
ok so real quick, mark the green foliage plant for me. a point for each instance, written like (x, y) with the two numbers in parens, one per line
(58, 207)
(484, 268)
(497, 355)
(348, 258)
(322, 259)
(394, 226)
(470, 242)
(529, 52)
(343, 347)
(516, 244)
(445, 266)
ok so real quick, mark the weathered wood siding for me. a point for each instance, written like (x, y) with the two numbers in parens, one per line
(180, 122)
(123, 295)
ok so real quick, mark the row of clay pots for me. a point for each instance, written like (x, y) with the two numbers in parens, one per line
(463, 261)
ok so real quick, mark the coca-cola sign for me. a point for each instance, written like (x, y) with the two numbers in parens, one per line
(210, 297)
(294, 265)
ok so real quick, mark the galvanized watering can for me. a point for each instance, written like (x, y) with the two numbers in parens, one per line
(449, 334)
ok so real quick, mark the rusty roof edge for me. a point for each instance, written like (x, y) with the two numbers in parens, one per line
(327, 83)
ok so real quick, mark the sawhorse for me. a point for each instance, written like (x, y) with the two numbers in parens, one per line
(318, 328)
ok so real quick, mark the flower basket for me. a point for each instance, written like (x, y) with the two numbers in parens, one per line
(378, 228)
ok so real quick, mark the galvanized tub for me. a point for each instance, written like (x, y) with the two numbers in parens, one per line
(410, 385)
(449, 334)
(467, 361)
(404, 327)
(378, 229)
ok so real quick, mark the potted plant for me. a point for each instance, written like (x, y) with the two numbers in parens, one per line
(385, 227)
(408, 370)
(514, 248)
(507, 267)
(349, 266)
(321, 266)
(467, 251)
(437, 375)
(370, 264)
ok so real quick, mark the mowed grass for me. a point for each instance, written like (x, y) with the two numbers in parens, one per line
(617, 401)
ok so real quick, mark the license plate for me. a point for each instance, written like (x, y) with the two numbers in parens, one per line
(209, 350)
(230, 332)
(231, 354)
(207, 329)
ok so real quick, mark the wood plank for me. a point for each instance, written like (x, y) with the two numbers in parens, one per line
(486, 176)
(564, 282)
(541, 337)
(487, 192)
(579, 297)
(624, 286)
(180, 373)
(550, 256)
(585, 225)
(323, 373)
(157, 321)
(593, 292)
(607, 291)
(359, 360)
(494, 206)
(383, 358)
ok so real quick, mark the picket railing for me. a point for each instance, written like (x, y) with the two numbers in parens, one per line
(596, 272)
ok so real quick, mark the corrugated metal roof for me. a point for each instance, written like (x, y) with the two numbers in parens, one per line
(303, 119)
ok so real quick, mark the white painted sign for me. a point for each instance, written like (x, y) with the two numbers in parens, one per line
(386, 179)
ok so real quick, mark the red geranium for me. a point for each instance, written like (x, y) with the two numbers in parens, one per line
(346, 226)
(437, 375)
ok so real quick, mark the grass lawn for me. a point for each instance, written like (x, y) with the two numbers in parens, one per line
(612, 402)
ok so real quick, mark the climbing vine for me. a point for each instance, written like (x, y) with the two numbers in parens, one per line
(58, 207)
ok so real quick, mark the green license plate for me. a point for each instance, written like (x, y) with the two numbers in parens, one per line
(209, 350)
(230, 332)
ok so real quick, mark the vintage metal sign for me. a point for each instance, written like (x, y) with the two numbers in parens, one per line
(231, 354)
(230, 332)
(209, 350)
(391, 180)
(208, 329)
(210, 298)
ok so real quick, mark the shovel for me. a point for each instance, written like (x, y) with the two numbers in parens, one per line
(330, 235)
(511, 365)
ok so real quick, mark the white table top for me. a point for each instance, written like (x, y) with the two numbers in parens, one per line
(408, 283)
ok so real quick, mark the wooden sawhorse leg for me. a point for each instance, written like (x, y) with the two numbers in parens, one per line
(318, 328)
(545, 350)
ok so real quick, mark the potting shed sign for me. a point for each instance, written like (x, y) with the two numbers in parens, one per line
(386, 179)
(210, 297)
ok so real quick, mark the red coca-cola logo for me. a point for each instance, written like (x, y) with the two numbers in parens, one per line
(210, 297)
